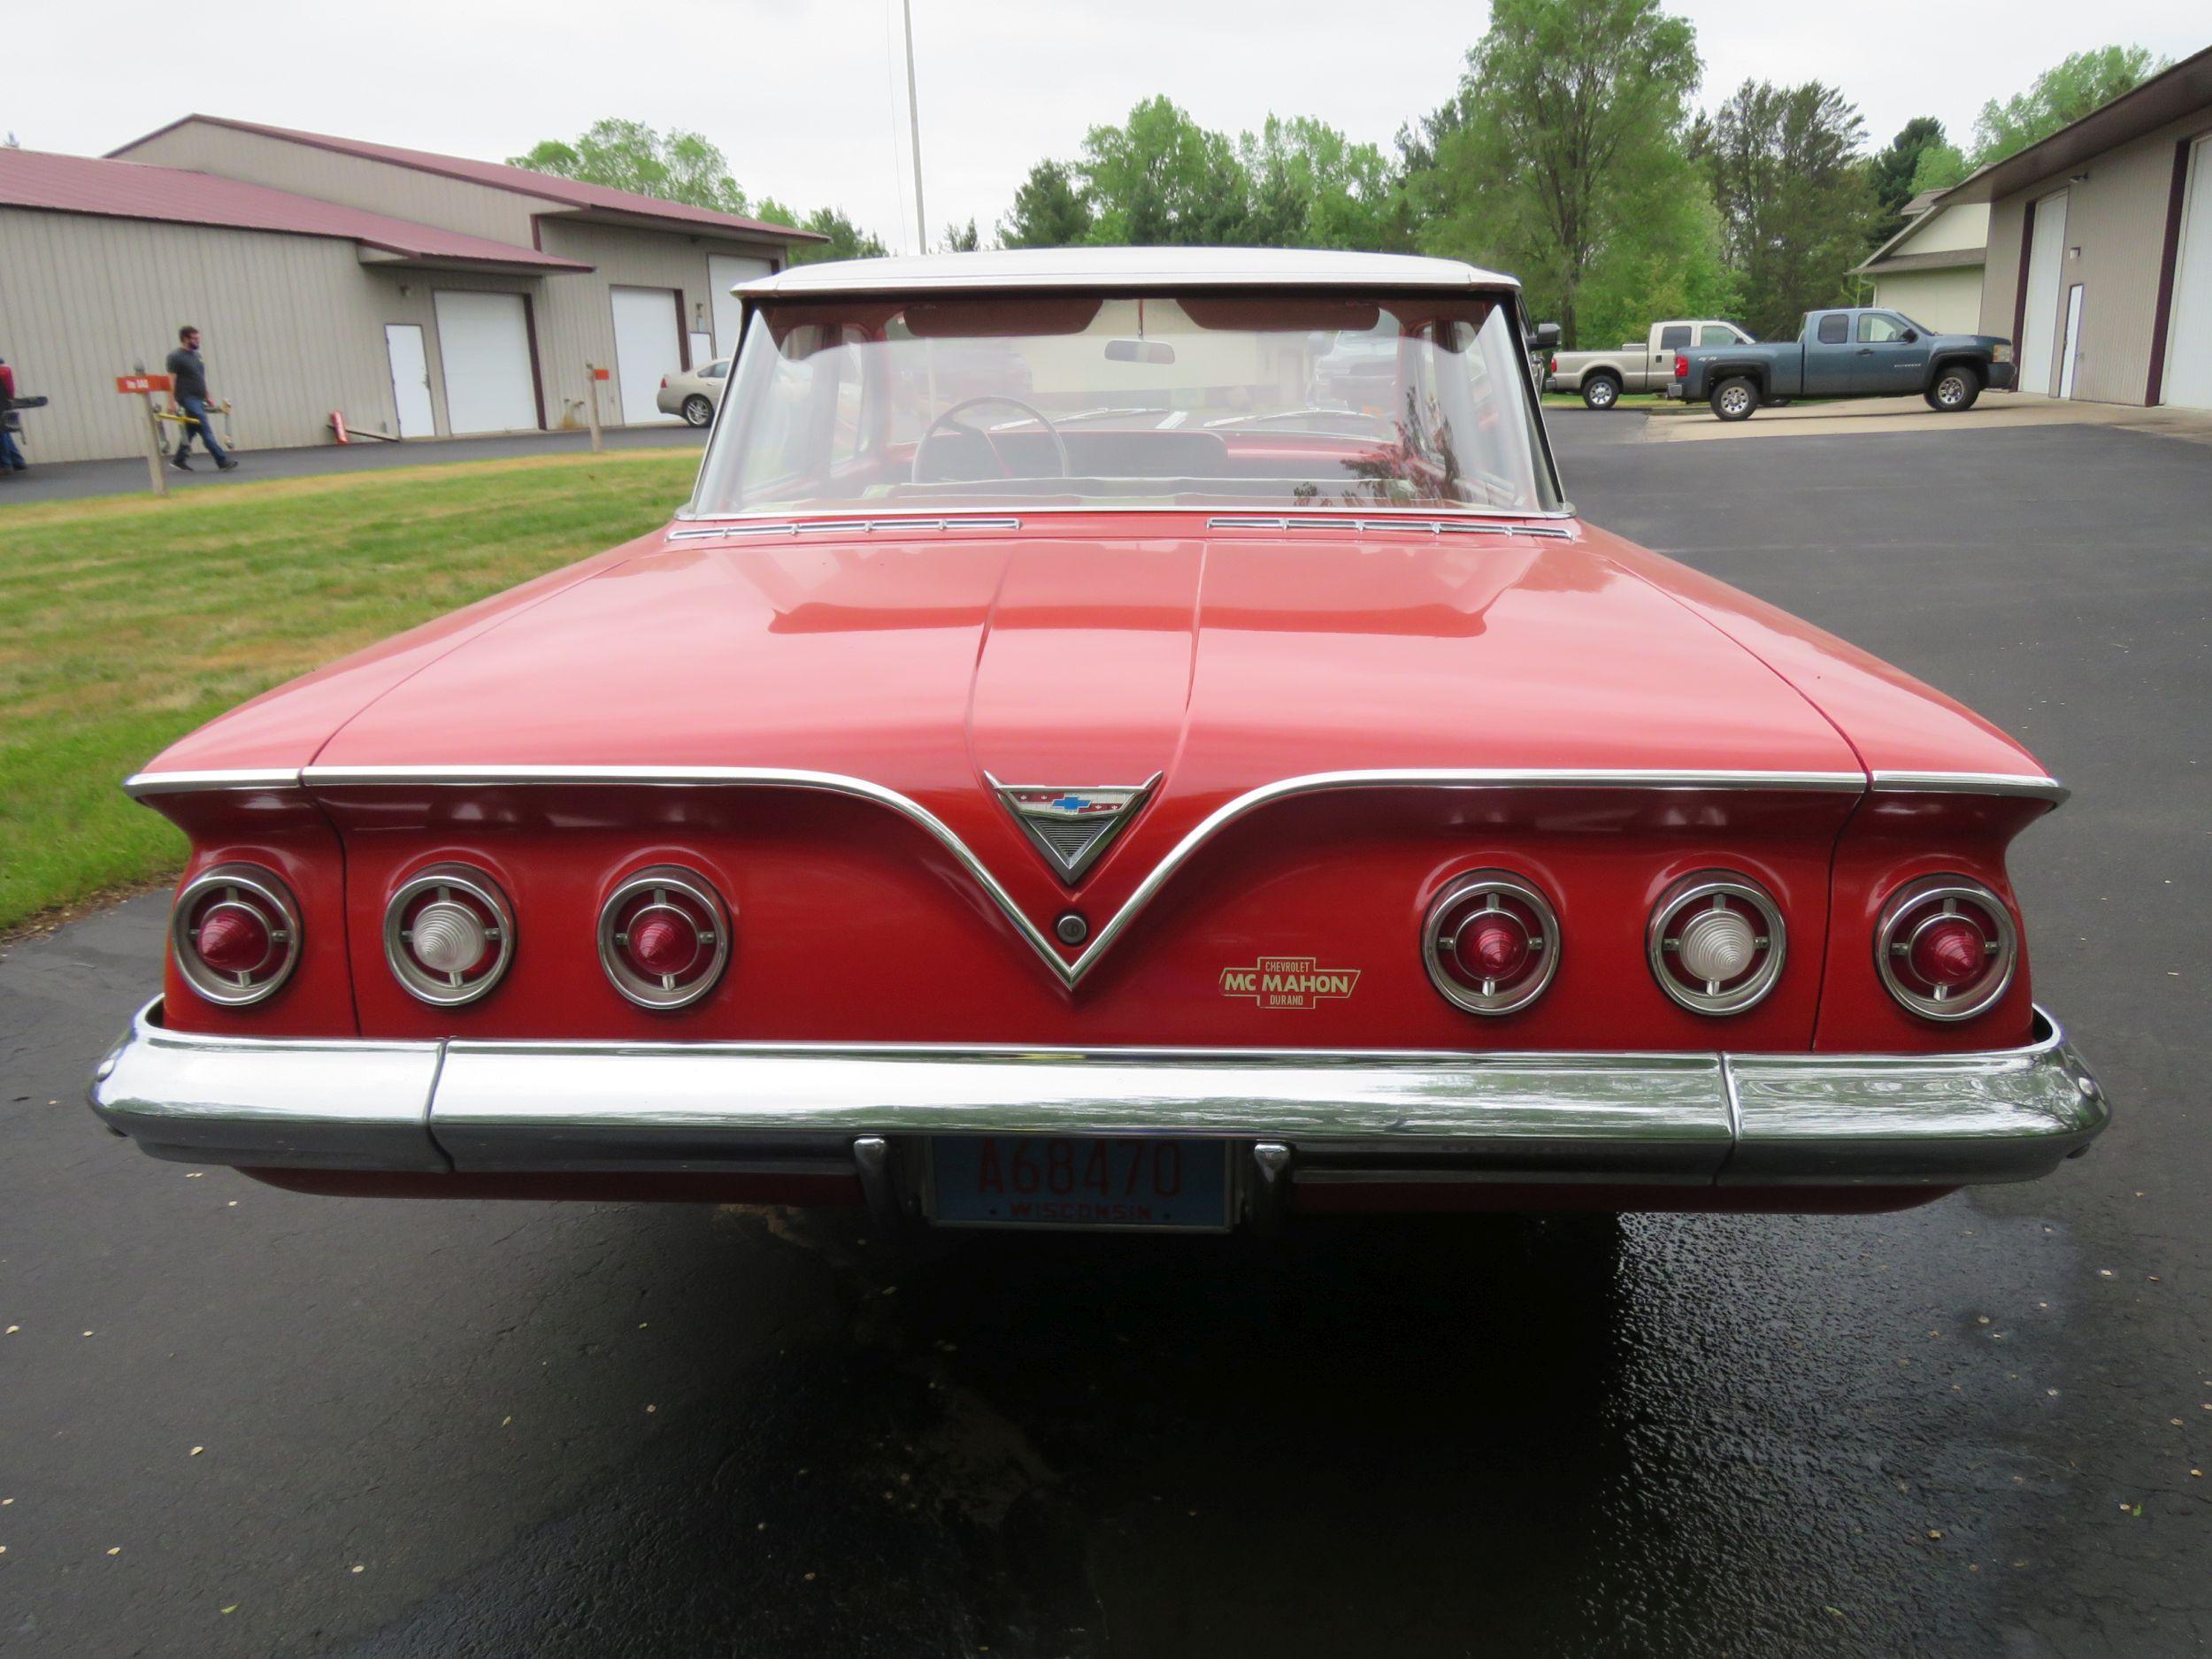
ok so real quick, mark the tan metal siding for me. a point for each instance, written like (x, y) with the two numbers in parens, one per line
(2117, 217)
(576, 324)
(378, 187)
(1947, 300)
(291, 324)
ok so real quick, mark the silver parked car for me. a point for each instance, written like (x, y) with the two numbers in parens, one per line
(695, 393)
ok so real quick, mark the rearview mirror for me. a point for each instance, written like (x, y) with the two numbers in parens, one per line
(1139, 351)
(1911, 334)
(1548, 335)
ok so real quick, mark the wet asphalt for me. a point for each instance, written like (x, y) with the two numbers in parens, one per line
(235, 1421)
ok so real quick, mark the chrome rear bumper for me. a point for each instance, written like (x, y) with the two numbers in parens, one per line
(1632, 1119)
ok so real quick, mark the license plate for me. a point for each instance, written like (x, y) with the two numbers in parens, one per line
(1079, 1181)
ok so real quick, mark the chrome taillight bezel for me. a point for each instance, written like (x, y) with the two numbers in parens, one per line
(1925, 900)
(259, 889)
(443, 881)
(1740, 992)
(663, 995)
(1499, 889)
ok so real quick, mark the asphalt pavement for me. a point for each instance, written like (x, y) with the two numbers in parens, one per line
(72, 480)
(235, 1421)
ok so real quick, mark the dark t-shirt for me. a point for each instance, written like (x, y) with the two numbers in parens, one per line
(188, 373)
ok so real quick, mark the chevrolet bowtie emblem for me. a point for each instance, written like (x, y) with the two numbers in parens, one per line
(1071, 827)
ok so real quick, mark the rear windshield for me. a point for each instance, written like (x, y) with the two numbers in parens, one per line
(1276, 402)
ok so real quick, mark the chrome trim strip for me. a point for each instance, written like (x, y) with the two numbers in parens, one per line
(141, 785)
(1364, 525)
(2031, 785)
(1940, 1119)
(1070, 973)
(847, 527)
(1029, 509)
(1483, 778)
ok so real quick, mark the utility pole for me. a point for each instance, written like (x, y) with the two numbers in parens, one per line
(914, 119)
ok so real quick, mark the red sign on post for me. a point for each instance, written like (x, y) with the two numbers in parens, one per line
(142, 383)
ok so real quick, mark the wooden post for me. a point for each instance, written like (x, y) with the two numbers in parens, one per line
(598, 438)
(144, 386)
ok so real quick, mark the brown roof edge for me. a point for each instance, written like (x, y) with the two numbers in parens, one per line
(1935, 260)
(425, 161)
(2166, 97)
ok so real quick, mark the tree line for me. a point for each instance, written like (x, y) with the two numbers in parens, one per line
(1571, 154)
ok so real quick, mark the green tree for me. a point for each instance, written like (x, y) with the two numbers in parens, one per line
(2058, 97)
(680, 166)
(1940, 166)
(847, 240)
(959, 238)
(1793, 198)
(1890, 172)
(1048, 211)
(1161, 178)
(1313, 188)
(1564, 133)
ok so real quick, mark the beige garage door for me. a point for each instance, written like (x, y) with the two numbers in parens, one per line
(484, 346)
(2189, 335)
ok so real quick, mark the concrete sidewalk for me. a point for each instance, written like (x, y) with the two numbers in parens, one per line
(1672, 422)
(70, 481)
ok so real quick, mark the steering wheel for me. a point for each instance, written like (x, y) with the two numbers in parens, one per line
(946, 421)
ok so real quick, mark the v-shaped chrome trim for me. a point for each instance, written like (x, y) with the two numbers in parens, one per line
(1069, 971)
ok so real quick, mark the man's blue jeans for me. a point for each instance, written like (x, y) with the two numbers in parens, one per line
(196, 407)
(11, 456)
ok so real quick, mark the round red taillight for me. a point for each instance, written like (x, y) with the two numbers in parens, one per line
(664, 937)
(1949, 951)
(664, 942)
(1946, 946)
(236, 933)
(232, 939)
(1490, 943)
(1494, 946)
(1716, 942)
(448, 934)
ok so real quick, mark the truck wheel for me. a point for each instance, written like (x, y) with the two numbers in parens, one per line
(1601, 391)
(1735, 399)
(1957, 387)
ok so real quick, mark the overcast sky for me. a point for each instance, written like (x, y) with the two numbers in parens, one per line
(808, 97)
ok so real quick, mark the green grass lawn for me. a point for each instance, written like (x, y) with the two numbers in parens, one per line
(125, 622)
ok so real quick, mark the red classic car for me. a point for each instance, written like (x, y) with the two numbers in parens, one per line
(1066, 767)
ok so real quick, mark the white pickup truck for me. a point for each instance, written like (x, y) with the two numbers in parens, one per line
(1640, 366)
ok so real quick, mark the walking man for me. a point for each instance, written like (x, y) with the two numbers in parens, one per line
(11, 456)
(188, 387)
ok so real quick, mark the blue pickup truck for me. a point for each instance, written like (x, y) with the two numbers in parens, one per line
(1858, 352)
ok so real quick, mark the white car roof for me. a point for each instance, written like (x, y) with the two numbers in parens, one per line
(1125, 268)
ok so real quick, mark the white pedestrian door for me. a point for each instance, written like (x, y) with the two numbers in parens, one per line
(2039, 327)
(411, 380)
(646, 349)
(724, 272)
(2070, 342)
(484, 343)
(2188, 380)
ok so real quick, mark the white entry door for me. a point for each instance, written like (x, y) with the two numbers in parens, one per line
(646, 347)
(724, 272)
(411, 380)
(2039, 327)
(484, 343)
(2188, 380)
(2070, 342)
